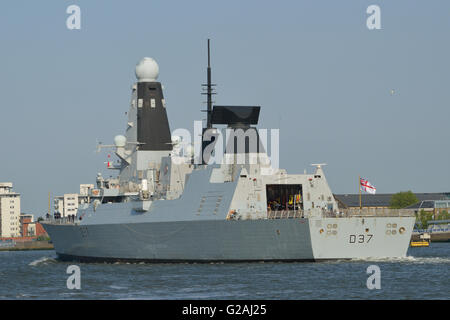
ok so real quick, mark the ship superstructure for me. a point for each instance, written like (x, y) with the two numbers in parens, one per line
(170, 202)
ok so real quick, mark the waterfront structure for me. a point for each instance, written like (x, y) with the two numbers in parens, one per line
(67, 204)
(28, 228)
(70, 204)
(383, 200)
(9, 211)
(434, 206)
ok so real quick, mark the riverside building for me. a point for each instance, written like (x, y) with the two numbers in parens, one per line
(9, 211)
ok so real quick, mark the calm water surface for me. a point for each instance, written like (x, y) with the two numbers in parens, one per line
(423, 274)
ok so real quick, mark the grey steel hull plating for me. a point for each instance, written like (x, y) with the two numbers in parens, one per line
(242, 240)
(259, 240)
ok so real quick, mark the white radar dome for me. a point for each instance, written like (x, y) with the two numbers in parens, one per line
(147, 70)
(120, 141)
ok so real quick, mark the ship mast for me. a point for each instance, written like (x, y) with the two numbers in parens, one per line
(209, 92)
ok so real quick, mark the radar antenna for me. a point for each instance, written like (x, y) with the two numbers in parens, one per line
(101, 146)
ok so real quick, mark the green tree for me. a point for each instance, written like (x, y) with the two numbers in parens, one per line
(403, 199)
(424, 217)
(443, 215)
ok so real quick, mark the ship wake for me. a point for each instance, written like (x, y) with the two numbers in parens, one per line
(408, 259)
(42, 261)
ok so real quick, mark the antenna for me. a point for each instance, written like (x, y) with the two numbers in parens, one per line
(209, 92)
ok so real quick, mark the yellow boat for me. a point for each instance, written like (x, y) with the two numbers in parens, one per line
(422, 243)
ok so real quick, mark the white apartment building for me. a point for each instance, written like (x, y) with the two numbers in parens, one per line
(67, 205)
(70, 204)
(9, 211)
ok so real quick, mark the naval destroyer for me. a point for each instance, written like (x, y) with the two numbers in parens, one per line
(171, 203)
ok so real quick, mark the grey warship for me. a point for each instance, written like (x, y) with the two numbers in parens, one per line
(168, 205)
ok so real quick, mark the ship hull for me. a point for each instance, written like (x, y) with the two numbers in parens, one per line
(234, 241)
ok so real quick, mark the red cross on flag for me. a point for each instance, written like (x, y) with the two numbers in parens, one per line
(366, 186)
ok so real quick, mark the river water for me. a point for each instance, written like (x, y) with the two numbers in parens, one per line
(423, 274)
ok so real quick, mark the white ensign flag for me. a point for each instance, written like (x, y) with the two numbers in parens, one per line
(367, 187)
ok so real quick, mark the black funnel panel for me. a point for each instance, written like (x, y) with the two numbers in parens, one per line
(152, 123)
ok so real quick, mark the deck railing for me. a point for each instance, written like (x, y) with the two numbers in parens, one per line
(62, 220)
(345, 213)
(285, 214)
(379, 212)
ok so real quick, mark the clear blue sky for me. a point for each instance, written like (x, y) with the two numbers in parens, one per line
(319, 74)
